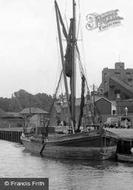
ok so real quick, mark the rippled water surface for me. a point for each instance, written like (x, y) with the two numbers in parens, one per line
(65, 174)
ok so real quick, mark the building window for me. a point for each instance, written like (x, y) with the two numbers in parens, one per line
(101, 91)
(130, 80)
(117, 73)
(117, 91)
(106, 94)
(114, 112)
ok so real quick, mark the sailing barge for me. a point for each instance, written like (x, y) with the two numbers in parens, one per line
(96, 143)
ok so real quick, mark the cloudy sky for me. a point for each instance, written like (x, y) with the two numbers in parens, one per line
(29, 55)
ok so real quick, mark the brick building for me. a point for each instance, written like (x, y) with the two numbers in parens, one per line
(115, 94)
(117, 86)
(117, 82)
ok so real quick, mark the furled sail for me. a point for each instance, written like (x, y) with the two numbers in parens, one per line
(68, 55)
(68, 37)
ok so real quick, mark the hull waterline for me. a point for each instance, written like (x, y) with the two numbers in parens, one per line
(85, 148)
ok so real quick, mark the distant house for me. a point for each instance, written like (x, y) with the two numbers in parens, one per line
(11, 119)
(104, 107)
(32, 111)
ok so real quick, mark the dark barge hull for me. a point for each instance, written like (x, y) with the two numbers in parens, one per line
(82, 146)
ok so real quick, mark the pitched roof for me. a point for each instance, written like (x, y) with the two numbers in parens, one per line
(11, 115)
(97, 98)
(33, 110)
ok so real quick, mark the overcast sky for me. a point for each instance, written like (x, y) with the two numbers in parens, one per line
(29, 57)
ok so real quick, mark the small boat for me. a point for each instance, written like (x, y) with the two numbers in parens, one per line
(97, 143)
(124, 157)
(125, 144)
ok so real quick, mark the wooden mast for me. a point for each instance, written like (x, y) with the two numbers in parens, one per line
(73, 78)
(63, 66)
(94, 109)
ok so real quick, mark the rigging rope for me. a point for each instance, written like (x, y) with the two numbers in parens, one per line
(65, 17)
(78, 26)
(81, 67)
(82, 104)
(51, 107)
(58, 65)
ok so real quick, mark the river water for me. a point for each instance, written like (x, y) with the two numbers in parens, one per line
(65, 174)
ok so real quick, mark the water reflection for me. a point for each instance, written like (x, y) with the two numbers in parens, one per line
(65, 174)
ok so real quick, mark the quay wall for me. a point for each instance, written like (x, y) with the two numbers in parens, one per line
(11, 134)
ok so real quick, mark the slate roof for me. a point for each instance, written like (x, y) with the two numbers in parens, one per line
(33, 110)
(11, 115)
